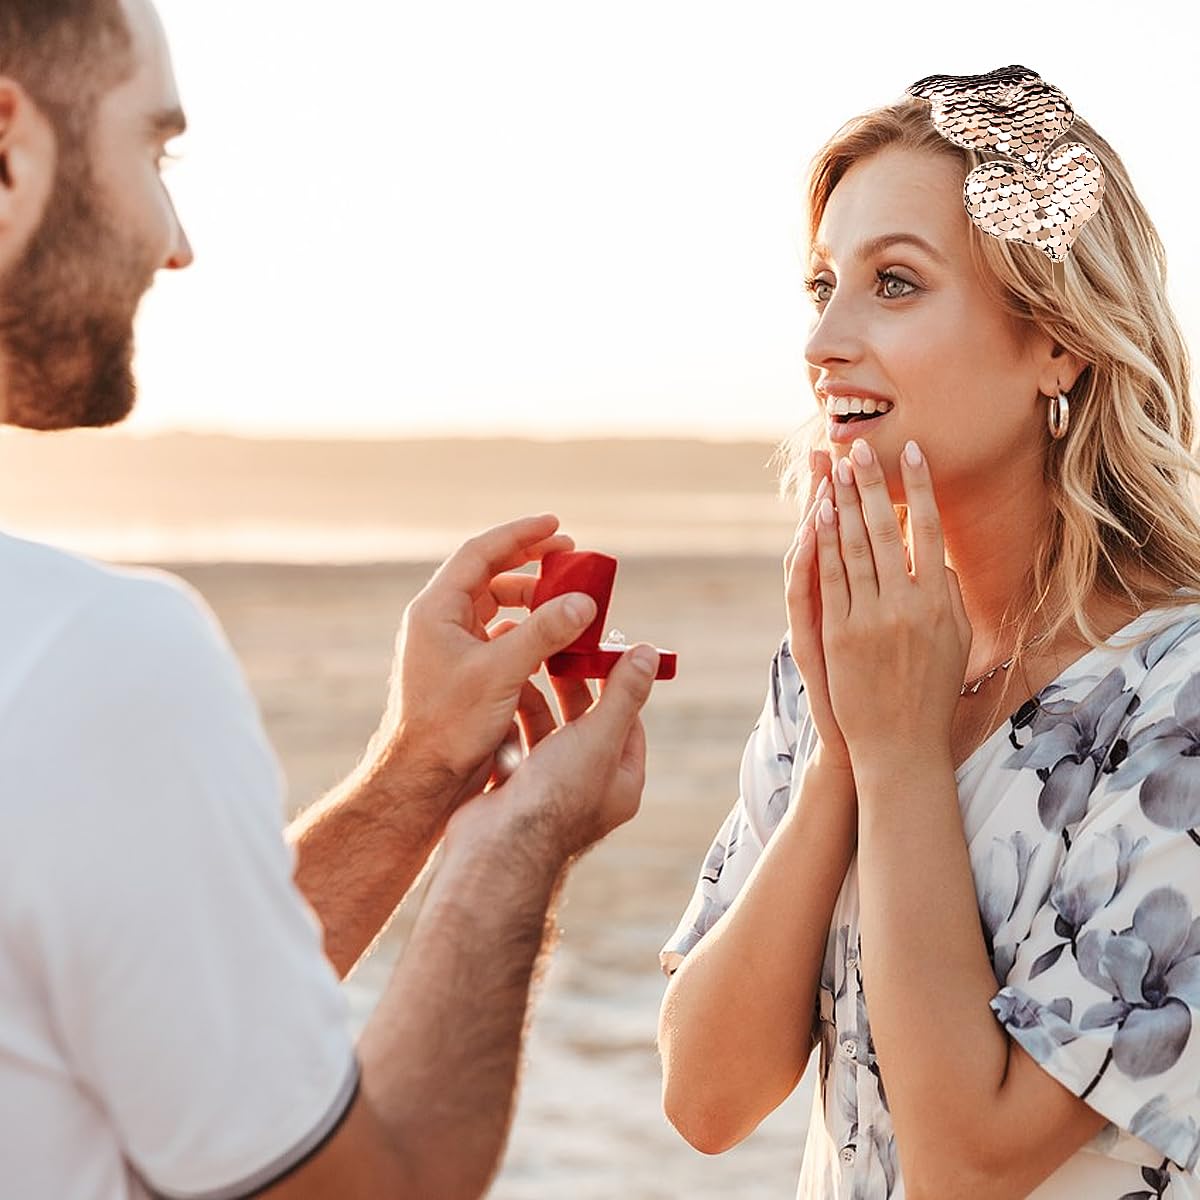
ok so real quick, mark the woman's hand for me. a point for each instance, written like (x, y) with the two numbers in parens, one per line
(804, 617)
(896, 639)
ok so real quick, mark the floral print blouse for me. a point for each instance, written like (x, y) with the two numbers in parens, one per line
(1082, 818)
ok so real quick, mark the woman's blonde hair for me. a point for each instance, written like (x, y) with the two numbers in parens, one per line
(1124, 517)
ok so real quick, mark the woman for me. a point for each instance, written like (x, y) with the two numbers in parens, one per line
(963, 860)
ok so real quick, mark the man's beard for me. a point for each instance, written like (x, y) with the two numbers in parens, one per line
(67, 309)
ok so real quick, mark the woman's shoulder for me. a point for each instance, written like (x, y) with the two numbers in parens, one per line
(786, 704)
(1155, 644)
(1109, 709)
(1166, 635)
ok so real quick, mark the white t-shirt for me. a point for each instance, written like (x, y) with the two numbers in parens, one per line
(169, 1024)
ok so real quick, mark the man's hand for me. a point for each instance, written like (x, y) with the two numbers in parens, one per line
(580, 781)
(454, 690)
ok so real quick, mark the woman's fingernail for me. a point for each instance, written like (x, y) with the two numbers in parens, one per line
(823, 488)
(827, 513)
(862, 452)
(912, 454)
(844, 473)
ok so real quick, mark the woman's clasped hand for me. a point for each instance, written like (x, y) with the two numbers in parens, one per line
(886, 615)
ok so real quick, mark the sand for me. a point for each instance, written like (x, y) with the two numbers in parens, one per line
(316, 643)
(699, 532)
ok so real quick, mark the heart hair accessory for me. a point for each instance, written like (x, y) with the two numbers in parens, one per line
(1034, 190)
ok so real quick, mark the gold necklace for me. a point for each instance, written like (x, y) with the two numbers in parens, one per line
(973, 685)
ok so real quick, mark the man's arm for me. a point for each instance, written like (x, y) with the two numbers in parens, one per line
(440, 1055)
(358, 851)
(454, 695)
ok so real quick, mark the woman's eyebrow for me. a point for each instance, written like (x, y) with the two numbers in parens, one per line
(877, 245)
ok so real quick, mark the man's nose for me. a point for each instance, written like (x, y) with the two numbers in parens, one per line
(181, 254)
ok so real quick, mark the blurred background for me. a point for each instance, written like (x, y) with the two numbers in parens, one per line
(465, 260)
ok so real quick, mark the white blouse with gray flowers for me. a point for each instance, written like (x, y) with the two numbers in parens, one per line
(1082, 817)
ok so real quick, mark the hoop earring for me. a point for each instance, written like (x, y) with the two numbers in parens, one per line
(1059, 416)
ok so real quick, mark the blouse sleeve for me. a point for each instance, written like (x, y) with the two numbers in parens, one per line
(1105, 991)
(764, 793)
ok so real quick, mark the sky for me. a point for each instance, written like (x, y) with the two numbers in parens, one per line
(550, 218)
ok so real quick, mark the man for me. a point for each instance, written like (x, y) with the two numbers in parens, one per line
(169, 1024)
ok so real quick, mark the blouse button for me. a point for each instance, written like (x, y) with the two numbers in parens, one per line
(847, 1155)
(851, 958)
(850, 1048)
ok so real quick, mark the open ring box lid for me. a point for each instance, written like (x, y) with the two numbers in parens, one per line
(587, 657)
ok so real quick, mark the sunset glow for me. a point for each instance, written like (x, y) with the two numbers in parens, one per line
(554, 219)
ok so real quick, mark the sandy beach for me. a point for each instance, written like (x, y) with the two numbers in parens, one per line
(316, 644)
(699, 533)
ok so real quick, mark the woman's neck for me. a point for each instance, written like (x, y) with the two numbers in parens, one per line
(991, 535)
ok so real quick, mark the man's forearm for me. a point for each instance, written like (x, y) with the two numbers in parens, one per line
(441, 1053)
(360, 849)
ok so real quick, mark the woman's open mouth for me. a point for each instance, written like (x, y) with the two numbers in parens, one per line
(847, 416)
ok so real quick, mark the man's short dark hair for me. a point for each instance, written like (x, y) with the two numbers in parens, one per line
(66, 54)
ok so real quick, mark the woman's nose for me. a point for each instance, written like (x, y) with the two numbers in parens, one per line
(836, 337)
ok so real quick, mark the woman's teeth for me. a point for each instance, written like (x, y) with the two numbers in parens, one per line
(845, 408)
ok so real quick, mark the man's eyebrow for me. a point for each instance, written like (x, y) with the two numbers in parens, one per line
(877, 245)
(167, 123)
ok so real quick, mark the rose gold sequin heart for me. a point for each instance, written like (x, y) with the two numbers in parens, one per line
(1012, 111)
(1045, 209)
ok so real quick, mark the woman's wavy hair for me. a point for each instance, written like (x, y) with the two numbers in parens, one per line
(1124, 513)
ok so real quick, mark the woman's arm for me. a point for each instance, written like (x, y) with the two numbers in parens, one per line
(737, 1023)
(736, 1028)
(974, 1116)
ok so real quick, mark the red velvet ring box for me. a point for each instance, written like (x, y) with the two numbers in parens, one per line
(587, 657)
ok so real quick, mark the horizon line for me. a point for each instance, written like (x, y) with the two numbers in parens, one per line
(355, 437)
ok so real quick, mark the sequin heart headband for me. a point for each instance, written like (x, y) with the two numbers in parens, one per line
(1036, 192)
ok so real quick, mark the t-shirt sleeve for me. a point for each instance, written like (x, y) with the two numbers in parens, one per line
(1105, 991)
(183, 971)
(782, 735)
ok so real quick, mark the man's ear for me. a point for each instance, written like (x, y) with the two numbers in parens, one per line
(28, 153)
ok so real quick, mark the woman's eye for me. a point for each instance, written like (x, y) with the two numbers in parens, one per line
(821, 290)
(893, 287)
